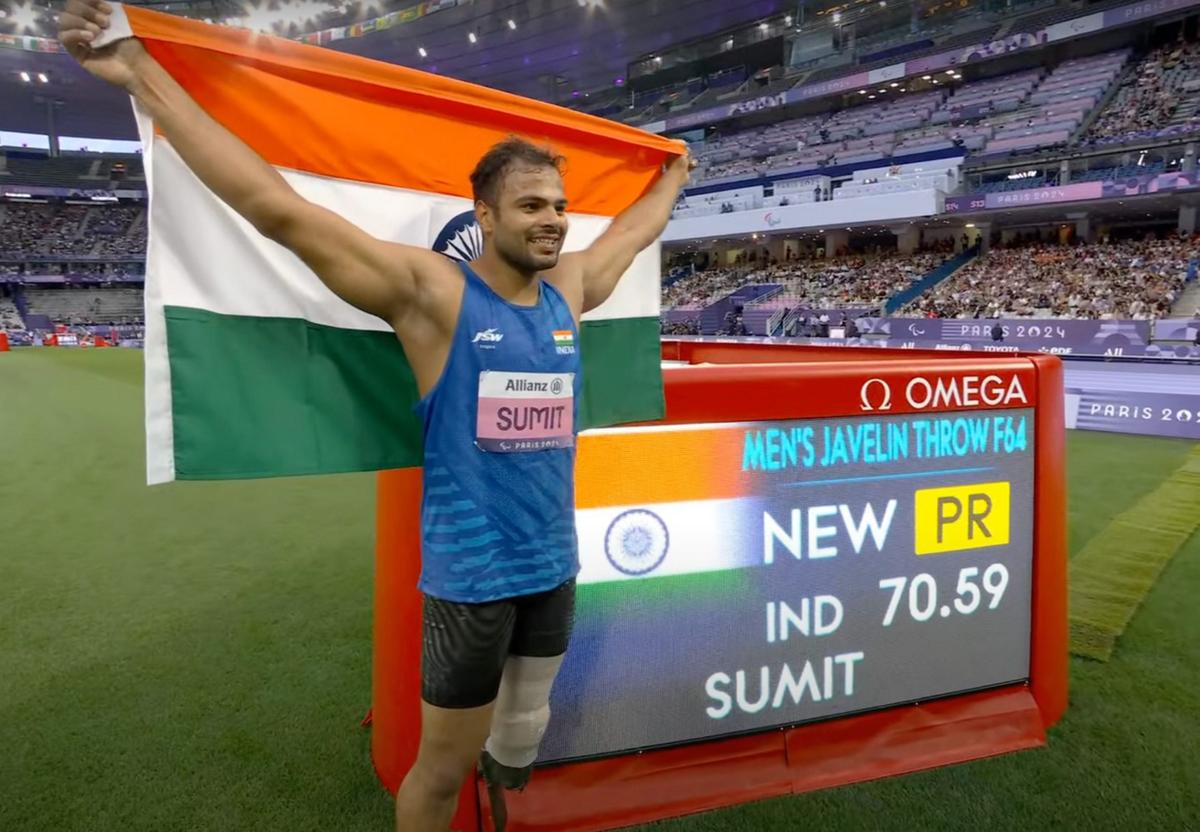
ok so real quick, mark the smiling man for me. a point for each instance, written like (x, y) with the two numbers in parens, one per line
(493, 344)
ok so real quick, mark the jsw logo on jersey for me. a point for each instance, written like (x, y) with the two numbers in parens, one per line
(488, 337)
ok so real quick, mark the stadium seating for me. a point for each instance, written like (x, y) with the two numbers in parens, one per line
(702, 288)
(849, 281)
(964, 26)
(32, 229)
(1012, 185)
(1013, 113)
(10, 318)
(1159, 92)
(1055, 107)
(83, 171)
(1130, 279)
(934, 176)
(71, 305)
(941, 175)
(1139, 279)
(1116, 173)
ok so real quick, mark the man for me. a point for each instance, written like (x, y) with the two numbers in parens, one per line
(498, 534)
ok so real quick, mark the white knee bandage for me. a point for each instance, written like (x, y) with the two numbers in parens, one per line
(522, 709)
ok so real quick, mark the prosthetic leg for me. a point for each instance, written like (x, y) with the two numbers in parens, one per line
(518, 724)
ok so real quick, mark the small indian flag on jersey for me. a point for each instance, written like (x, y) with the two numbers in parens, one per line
(253, 367)
(564, 341)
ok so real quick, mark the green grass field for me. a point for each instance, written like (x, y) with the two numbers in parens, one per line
(197, 656)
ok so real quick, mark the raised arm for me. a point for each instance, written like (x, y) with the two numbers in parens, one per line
(376, 276)
(598, 268)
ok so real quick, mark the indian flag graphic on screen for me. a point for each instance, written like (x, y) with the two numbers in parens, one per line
(253, 367)
(661, 501)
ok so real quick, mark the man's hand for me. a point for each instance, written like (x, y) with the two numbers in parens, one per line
(680, 168)
(80, 24)
(590, 276)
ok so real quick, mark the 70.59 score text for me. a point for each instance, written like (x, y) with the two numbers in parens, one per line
(921, 593)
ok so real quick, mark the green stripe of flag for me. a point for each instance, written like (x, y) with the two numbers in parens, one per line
(263, 396)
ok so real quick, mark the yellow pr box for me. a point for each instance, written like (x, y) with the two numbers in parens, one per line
(961, 517)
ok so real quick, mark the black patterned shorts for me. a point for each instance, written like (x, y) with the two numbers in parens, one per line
(465, 646)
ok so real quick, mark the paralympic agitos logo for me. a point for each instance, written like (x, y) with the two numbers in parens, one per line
(945, 392)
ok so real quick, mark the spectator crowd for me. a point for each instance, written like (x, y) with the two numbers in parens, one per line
(703, 287)
(1135, 279)
(855, 280)
(36, 230)
(1150, 97)
(688, 327)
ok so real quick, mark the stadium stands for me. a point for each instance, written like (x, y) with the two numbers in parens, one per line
(1040, 109)
(849, 281)
(1017, 184)
(702, 288)
(1114, 174)
(1160, 92)
(941, 177)
(1017, 112)
(1130, 279)
(10, 318)
(81, 244)
(83, 171)
(1050, 111)
(939, 174)
(32, 229)
(91, 305)
(981, 31)
(44, 229)
(964, 26)
(685, 327)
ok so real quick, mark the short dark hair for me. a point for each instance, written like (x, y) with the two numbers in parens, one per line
(490, 172)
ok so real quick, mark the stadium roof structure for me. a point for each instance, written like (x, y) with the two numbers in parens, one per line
(550, 49)
(556, 43)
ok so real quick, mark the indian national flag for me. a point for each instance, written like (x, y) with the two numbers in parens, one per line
(253, 367)
(642, 515)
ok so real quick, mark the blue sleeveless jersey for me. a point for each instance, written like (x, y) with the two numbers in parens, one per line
(498, 509)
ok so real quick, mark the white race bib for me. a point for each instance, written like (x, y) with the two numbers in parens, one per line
(525, 411)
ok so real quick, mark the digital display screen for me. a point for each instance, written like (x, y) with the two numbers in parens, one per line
(739, 577)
